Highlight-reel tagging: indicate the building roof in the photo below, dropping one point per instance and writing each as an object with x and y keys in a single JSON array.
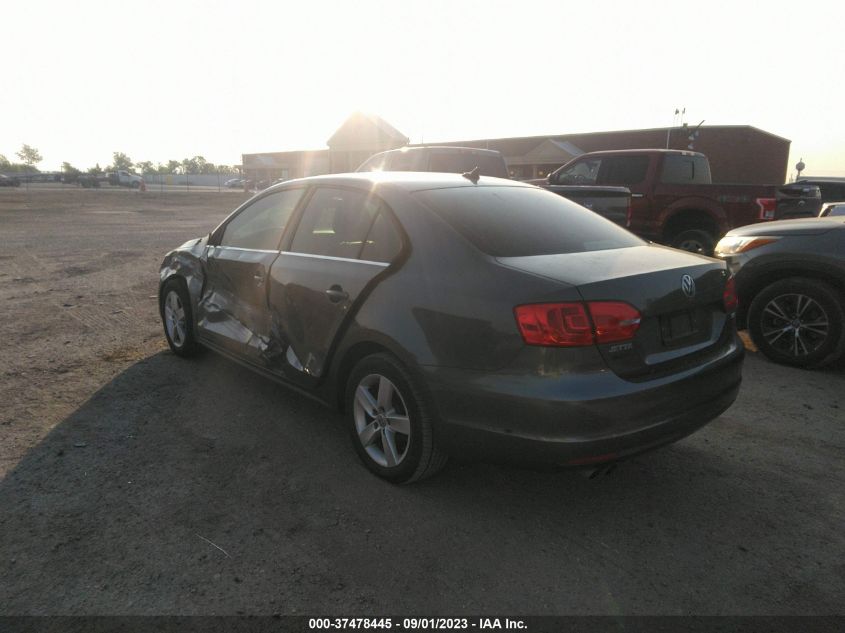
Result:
[
  {"x": 366, "y": 131},
  {"x": 519, "y": 146}
]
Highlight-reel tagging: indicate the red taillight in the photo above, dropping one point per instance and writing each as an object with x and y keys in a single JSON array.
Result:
[
  {"x": 614, "y": 320},
  {"x": 576, "y": 324},
  {"x": 558, "y": 324},
  {"x": 768, "y": 206},
  {"x": 729, "y": 297}
]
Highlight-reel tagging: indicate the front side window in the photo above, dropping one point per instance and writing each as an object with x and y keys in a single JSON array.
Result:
[
  {"x": 583, "y": 172},
  {"x": 261, "y": 224},
  {"x": 335, "y": 223}
]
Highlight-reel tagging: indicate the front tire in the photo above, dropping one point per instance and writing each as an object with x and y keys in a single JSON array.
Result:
[
  {"x": 390, "y": 421},
  {"x": 798, "y": 321},
  {"x": 177, "y": 318}
]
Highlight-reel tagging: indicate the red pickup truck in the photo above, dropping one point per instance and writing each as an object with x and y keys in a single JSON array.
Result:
[{"x": 674, "y": 201}]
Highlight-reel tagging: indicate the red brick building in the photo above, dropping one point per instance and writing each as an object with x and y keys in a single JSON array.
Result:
[{"x": 737, "y": 153}]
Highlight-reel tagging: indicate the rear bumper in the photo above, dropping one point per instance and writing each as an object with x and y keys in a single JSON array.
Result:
[{"x": 544, "y": 419}]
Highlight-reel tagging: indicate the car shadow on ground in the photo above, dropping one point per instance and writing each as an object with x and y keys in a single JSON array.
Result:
[{"x": 195, "y": 487}]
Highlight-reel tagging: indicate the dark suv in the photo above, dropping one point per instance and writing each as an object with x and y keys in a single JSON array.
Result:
[
  {"x": 790, "y": 278},
  {"x": 450, "y": 160}
]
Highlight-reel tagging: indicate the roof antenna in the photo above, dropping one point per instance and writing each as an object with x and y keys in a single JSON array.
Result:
[{"x": 473, "y": 175}]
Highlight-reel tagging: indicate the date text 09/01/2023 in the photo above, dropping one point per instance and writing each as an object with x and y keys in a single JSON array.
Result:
[{"x": 415, "y": 624}]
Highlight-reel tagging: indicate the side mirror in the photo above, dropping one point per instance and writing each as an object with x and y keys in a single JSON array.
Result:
[{"x": 552, "y": 178}]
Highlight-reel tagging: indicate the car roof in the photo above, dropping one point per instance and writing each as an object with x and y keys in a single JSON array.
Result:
[
  {"x": 644, "y": 150},
  {"x": 403, "y": 180},
  {"x": 446, "y": 149}
]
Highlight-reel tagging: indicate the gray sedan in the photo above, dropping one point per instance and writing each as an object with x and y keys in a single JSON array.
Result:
[{"x": 461, "y": 314}]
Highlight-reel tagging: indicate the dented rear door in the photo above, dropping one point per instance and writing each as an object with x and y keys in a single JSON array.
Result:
[{"x": 345, "y": 240}]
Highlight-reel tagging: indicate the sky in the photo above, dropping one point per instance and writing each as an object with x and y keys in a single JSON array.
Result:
[{"x": 170, "y": 80}]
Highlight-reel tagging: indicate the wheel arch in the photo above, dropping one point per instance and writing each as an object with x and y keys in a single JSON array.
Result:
[
  {"x": 751, "y": 287},
  {"x": 351, "y": 354},
  {"x": 692, "y": 217}
]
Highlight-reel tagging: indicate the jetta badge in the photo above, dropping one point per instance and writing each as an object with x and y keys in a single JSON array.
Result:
[{"x": 688, "y": 286}]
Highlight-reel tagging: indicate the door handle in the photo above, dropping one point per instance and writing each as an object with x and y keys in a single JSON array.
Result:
[
  {"x": 336, "y": 294},
  {"x": 259, "y": 277},
  {"x": 638, "y": 195}
]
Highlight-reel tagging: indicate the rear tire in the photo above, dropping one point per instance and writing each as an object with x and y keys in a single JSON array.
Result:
[
  {"x": 177, "y": 318},
  {"x": 694, "y": 241},
  {"x": 390, "y": 421},
  {"x": 798, "y": 321}
]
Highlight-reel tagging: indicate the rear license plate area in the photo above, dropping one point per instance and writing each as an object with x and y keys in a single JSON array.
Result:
[{"x": 677, "y": 328}]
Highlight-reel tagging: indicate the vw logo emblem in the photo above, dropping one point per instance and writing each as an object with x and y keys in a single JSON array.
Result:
[{"x": 688, "y": 286}]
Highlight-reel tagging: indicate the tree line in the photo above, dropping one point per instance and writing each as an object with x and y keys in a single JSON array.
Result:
[{"x": 30, "y": 157}]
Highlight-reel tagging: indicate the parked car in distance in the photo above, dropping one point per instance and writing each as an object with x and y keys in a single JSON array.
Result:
[
  {"x": 832, "y": 208},
  {"x": 123, "y": 178},
  {"x": 447, "y": 314},
  {"x": 445, "y": 159},
  {"x": 674, "y": 200},
  {"x": 234, "y": 183},
  {"x": 790, "y": 280},
  {"x": 832, "y": 189},
  {"x": 9, "y": 181}
]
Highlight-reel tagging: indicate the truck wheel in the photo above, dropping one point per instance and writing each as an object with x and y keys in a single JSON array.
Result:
[
  {"x": 135, "y": 184},
  {"x": 798, "y": 321},
  {"x": 694, "y": 241}
]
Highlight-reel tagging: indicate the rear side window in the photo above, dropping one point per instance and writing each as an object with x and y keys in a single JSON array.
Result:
[
  {"x": 383, "y": 242},
  {"x": 460, "y": 162},
  {"x": 623, "y": 170},
  {"x": 522, "y": 221},
  {"x": 682, "y": 169},
  {"x": 335, "y": 223}
]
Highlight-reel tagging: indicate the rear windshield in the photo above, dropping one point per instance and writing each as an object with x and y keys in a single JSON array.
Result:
[
  {"x": 458, "y": 163},
  {"x": 523, "y": 221}
]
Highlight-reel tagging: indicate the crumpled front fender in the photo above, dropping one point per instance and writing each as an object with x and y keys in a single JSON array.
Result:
[{"x": 187, "y": 262}]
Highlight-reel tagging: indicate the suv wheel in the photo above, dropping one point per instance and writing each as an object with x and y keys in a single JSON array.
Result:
[{"x": 798, "y": 321}]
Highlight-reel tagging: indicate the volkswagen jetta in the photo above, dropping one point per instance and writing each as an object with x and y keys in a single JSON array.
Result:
[{"x": 449, "y": 313}]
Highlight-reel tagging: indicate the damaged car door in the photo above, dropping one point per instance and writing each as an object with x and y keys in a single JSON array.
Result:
[
  {"x": 232, "y": 312},
  {"x": 343, "y": 241}
]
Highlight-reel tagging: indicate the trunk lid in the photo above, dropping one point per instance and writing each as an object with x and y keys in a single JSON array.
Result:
[{"x": 678, "y": 328}]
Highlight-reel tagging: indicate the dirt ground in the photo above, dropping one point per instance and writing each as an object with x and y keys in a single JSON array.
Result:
[{"x": 135, "y": 482}]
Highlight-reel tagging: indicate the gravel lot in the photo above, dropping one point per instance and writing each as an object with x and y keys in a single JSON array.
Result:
[{"x": 135, "y": 482}]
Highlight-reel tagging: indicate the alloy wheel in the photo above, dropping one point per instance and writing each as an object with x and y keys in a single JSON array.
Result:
[
  {"x": 794, "y": 324},
  {"x": 381, "y": 420},
  {"x": 174, "y": 318}
]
